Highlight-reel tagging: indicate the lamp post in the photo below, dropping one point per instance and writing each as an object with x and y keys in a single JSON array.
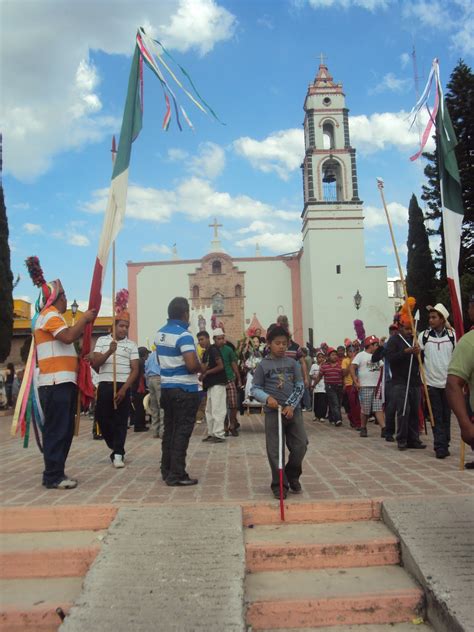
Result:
[
  {"x": 74, "y": 308},
  {"x": 357, "y": 299}
]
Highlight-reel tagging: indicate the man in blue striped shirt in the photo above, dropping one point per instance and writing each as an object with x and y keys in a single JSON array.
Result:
[{"x": 179, "y": 391}]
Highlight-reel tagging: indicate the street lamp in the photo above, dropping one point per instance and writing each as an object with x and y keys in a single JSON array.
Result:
[
  {"x": 74, "y": 308},
  {"x": 357, "y": 299}
]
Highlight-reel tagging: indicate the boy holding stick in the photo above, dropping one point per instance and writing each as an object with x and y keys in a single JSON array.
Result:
[{"x": 278, "y": 381}]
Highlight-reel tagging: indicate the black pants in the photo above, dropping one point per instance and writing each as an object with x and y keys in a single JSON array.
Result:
[
  {"x": 442, "y": 418},
  {"x": 139, "y": 411},
  {"x": 112, "y": 421},
  {"x": 180, "y": 408},
  {"x": 320, "y": 405},
  {"x": 294, "y": 435},
  {"x": 390, "y": 409},
  {"x": 59, "y": 407},
  {"x": 334, "y": 393},
  {"x": 408, "y": 433}
]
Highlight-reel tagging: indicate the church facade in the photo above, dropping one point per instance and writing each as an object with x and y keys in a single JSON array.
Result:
[{"x": 322, "y": 288}]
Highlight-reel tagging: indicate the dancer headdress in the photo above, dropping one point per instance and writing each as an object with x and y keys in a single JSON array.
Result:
[
  {"x": 49, "y": 292},
  {"x": 121, "y": 305},
  {"x": 405, "y": 310},
  {"x": 360, "y": 330}
]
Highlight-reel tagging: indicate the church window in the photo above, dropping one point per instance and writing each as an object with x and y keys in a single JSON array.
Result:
[
  {"x": 338, "y": 269},
  {"x": 327, "y": 101},
  {"x": 218, "y": 304},
  {"x": 238, "y": 290},
  {"x": 195, "y": 291},
  {"x": 216, "y": 267},
  {"x": 328, "y": 135}
]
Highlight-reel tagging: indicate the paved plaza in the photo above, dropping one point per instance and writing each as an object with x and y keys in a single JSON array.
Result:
[{"x": 338, "y": 465}]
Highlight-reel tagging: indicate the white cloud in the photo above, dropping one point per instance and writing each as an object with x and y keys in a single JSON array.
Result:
[
  {"x": 402, "y": 249},
  {"x": 193, "y": 197},
  {"x": 198, "y": 24},
  {"x": 370, "y": 5},
  {"x": 379, "y": 131},
  {"x": 47, "y": 111},
  {"x": 177, "y": 155},
  {"x": 32, "y": 229},
  {"x": 276, "y": 242},
  {"x": 374, "y": 216},
  {"x": 20, "y": 206},
  {"x": 281, "y": 152},
  {"x": 106, "y": 308},
  {"x": 162, "y": 249},
  {"x": 390, "y": 83},
  {"x": 210, "y": 161},
  {"x": 75, "y": 239},
  {"x": 256, "y": 227},
  {"x": 404, "y": 60}
]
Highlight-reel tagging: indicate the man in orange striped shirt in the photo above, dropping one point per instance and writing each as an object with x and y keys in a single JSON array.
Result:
[{"x": 57, "y": 361}]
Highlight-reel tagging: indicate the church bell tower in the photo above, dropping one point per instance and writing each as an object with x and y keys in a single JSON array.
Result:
[{"x": 333, "y": 259}]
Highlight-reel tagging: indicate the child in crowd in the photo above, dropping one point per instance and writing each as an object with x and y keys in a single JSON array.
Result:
[
  {"x": 278, "y": 381},
  {"x": 350, "y": 390},
  {"x": 331, "y": 371},
  {"x": 320, "y": 399},
  {"x": 368, "y": 379}
]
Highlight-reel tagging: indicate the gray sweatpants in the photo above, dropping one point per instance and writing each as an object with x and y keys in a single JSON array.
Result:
[
  {"x": 294, "y": 435},
  {"x": 154, "y": 386}
]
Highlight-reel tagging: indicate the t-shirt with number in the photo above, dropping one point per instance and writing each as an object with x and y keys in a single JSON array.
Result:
[
  {"x": 171, "y": 342},
  {"x": 368, "y": 371}
]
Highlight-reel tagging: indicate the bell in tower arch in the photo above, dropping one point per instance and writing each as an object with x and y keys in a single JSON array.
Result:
[{"x": 329, "y": 173}]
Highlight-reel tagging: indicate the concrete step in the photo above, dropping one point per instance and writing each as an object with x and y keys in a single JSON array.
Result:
[
  {"x": 384, "y": 627},
  {"x": 328, "y": 597},
  {"x": 48, "y": 554},
  {"x": 307, "y": 546},
  {"x": 64, "y": 518},
  {"x": 301, "y": 512},
  {"x": 29, "y": 605}
]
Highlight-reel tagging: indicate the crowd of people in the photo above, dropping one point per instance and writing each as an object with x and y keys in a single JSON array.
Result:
[{"x": 180, "y": 383}]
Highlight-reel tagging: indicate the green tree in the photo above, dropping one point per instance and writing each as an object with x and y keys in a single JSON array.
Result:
[
  {"x": 6, "y": 284},
  {"x": 460, "y": 101},
  {"x": 421, "y": 271}
]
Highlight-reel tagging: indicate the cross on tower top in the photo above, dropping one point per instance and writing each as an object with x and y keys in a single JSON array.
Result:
[
  {"x": 215, "y": 226},
  {"x": 322, "y": 58}
]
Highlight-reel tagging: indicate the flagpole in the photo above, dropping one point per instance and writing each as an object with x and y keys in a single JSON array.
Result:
[
  {"x": 114, "y": 357},
  {"x": 380, "y": 186}
]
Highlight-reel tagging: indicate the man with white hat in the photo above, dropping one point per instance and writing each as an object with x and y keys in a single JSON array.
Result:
[
  {"x": 214, "y": 380},
  {"x": 437, "y": 343}
]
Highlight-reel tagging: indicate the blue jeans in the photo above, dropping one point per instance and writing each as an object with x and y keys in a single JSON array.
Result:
[
  {"x": 59, "y": 403},
  {"x": 334, "y": 393}
]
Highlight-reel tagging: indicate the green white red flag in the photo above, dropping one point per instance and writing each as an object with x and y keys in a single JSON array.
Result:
[{"x": 450, "y": 187}]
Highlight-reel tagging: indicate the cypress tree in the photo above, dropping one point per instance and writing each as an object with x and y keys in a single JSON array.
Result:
[
  {"x": 6, "y": 284},
  {"x": 421, "y": 271}
]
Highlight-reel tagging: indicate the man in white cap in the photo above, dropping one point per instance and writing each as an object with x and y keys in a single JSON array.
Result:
[
  {"x": 214, "y": 381},
  {"x": 437, "y": 343}
]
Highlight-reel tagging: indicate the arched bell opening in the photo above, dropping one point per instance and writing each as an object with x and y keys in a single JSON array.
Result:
[
  {"x": 332, "y": 181},
  {"x": 328, "y": 135}
]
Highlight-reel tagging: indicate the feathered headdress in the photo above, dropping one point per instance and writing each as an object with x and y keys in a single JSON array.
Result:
[
  {"x": 359, "y": 329},
  {"x": 406, "y": 309},
  {"x": 121, "y": 305},
  {"x": 48, "y": 291}
]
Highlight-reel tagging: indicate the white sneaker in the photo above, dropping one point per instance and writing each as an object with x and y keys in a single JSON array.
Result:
[{"x": 118, "y": 461}]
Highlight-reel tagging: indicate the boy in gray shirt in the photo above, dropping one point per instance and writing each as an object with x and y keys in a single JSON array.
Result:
[{"x": 278, "y": 381}]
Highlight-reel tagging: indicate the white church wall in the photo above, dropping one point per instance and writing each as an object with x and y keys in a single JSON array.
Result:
[
  {"x": 156, "y": 286},
  {"x": 267, "y": 290}
]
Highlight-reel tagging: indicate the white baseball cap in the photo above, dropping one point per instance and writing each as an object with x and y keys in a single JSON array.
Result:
[{"x": 218, "y": 332}]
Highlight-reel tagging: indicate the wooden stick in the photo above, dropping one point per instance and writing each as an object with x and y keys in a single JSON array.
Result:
[
  {"x": 114, "y": 357},
  {"x": 77, "y": 419},
  {"x": 402, "y": 279},
  {"x": 461, "y": 455}
]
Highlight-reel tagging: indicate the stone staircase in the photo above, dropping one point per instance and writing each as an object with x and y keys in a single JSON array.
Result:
[
  {"x": 329, "y": 566},
  {"x": 45, "y": 554}
]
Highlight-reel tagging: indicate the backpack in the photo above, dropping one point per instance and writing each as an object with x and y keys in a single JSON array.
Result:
[{"x": 426, "y": 335}]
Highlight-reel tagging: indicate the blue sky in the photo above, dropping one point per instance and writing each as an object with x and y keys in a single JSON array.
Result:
[{"x": 65, "y": 71}]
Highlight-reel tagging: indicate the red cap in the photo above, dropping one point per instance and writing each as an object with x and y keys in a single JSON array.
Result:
[
  {"x": 329, "y": 350},
  {"x": 370, "y": 340}
]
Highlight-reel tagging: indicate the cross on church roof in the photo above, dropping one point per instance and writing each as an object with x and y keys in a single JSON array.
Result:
[
  {"x": 323, "y": 58},
  {"x": 215, "y": 226}
]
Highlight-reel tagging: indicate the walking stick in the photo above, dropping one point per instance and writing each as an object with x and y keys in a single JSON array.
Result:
[
  {"x": 417, "y": 318},
  {"x": 402, "y": 279},
  {"x": 114, "y": 357},
  {"x": 280, "y": 462}
]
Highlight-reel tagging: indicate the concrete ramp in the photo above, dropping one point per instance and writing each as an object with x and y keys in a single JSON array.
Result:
[{"x": 166, "y": 568}]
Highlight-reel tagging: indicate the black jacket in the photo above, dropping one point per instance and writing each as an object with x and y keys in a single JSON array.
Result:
[{"x": 400, "y": 361}]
